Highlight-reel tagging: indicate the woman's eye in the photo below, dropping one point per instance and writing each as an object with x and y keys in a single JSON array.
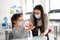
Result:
[{"x": 38, "y": 13}]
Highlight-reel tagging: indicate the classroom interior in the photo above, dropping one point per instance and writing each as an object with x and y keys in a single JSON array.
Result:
[{"x": 9, "y": 7}]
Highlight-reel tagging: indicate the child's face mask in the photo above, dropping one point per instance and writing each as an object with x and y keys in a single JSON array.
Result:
[{"x": 20, "y": 23}]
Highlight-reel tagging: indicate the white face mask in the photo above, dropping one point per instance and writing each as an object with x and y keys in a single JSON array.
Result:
[
  {"x": 37, "y": 15},
  {"x": 20, "y": 23}
]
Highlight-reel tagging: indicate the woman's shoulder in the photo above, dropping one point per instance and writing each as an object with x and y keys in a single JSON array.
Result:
[{"x": 45, "y": 15}]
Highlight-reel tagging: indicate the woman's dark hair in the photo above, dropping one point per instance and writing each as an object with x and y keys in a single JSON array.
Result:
[
  {"x": 39, "y": 7},
  {"x": 15, "y": 17}
]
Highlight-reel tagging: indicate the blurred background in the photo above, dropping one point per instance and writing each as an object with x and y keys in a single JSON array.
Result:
[{"x": 10, "y": 7}]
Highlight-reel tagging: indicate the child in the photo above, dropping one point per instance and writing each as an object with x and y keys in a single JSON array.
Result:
[{"x": 18, "y": 25}]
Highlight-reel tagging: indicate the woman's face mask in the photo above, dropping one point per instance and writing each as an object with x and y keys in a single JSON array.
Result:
[{"x": 37, "y": 15}]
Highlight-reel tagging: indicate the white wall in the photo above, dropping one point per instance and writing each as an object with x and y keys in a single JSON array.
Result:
[
  {"x": 47, "y": 6},
  {"x": 43, "y": 3},
  {"x": 54, "y": 4},
  {"x": 5, "y": 6}
]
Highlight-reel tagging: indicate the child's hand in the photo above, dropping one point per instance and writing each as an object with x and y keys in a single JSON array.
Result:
[{"x": 30, "y": 25}]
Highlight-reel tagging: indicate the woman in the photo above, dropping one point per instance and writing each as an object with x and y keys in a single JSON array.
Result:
[
  {"x": 40, "y": 20},
  {"x": 19, "y": 28}
]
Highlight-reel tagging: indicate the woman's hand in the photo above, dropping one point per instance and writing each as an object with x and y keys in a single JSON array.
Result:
[{"x": 42, "y": 34}]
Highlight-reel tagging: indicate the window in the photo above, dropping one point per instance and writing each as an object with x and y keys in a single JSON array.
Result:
[{"x": 54, "y": 6}]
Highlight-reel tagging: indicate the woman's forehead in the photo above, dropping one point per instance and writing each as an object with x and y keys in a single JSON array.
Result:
[{"x": 37, "y": 11}]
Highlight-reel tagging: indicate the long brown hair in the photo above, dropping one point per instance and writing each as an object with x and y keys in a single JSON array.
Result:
[{"x": 39, "y": 7}]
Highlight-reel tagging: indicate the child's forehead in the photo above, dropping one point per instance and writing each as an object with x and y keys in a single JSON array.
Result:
[{"x": 20, "y": 18}]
